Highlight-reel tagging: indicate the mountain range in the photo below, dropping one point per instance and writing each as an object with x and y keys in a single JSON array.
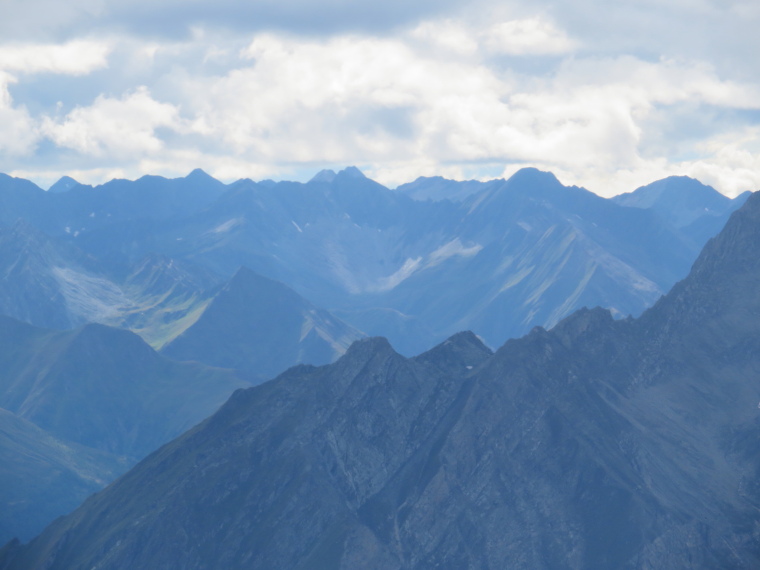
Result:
[
  {"x": 497, "y": 258},
  {"x": 600, "y": 443},
  {"x": 330, "y": 261}
]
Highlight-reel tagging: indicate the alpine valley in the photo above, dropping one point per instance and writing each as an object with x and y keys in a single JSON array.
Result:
[{"x": 613, "y": 427}]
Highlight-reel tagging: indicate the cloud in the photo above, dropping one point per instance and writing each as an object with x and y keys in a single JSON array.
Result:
[
  {"x": 172, "y": 19},
  {"x": 607, "y": 96},
  {"x": 532, "y": 36},
  {"x": 116, "y": 128},
  {"x": 73, "y": 58},
  {"x": 392, "y": 103},
  {"x": 49, "y": 20},
  {"x": 19, "y": 133}
]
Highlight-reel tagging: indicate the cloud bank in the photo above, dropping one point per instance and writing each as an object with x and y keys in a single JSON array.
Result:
[{"x": 607, "y": 97}]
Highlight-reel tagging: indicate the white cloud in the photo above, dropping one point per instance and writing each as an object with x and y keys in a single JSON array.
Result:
[
  {"x": 462, "y": 94},
  {"x": 531, "y": 36},
  {"x": 73, "y": 58},
  {"x": 116, "y": 128},
  {"x": 402, "y": 110},
  {"x": 447, "y": 35},
  {"x": 19, "y": 134}
]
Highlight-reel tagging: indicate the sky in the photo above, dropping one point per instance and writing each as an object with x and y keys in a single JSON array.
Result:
[{"x": 608, "y": 96}]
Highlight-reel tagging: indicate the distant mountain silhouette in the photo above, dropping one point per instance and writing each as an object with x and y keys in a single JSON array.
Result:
[
  {"x": 262, "y": 327},
  {"x": 501, "y": 258},
  {"x": 698, "y": 210},
  {"x": 439, "y": 188},
  {"x": 64, "y": 184}
]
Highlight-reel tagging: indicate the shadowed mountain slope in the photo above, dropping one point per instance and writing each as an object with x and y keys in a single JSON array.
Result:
[
  {"x": 42, "y": 477},
  {"x": 104, "y": 387},
  {"x": 78, "y": 408},
  {"x": 263, "y": 327},
  {"x": 598, "y": 444}
]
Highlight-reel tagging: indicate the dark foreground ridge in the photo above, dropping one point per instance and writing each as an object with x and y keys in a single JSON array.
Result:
[{"x": 597, "y": 444}]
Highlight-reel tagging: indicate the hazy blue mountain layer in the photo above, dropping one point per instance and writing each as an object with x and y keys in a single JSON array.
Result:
[
  {"x": 530, "y": 251},
  {"x": 51, "y": 283},
  {"x": 262, "y": 327},
  {"x": 498, "y": 257},
  {"x": 597, "y": 444},
  {"x": 103, "y": 387},
  {"x": 165, "y": 297},
  {"x": 439, "y": 188},
  {"x": 43, "y": 477},
  {"x": 699, "y": 211},
  {"x": 80, "y": 407}
]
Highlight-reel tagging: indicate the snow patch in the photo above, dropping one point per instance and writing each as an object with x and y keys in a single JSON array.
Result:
[
  {"x": 296, "y": 226},
  {"x": 452, "y": 249},
  {"x": 227, "y": 226},
  {"x": 527, "y": 227},
  {"x": 403, "y": 273}
]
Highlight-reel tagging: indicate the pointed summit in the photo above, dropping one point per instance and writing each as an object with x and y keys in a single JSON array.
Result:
[
  {"x": 261, "y": 326},
  {"x": 351, "y": 172},
  {"x": 325, "y": 175},
  {"x": 65, "y": 184},
  {"x": 462, "y": 352},
  {"x": 200, "y": 175}
]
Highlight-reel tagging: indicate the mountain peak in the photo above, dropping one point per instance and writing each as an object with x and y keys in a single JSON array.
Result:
[
  {"x": 368, "y": 347},
  {"x": 351, "y": 172},
  {"x": 261, "y": 326},
  {"x": 325, "y": 175},
  {"x": 533, "y": 177},
  {"x": 246, "y": 276},
  {"x": 680, "y": 200},
  {"x": 64, "y": 184},
  {"x": 200, "y": 174},
  {"x": 250, "y": 289},
  {"x": 463, "y": 352}
]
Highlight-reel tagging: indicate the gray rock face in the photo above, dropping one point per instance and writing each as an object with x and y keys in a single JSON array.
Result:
[{"x": 598, "y": 444}]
